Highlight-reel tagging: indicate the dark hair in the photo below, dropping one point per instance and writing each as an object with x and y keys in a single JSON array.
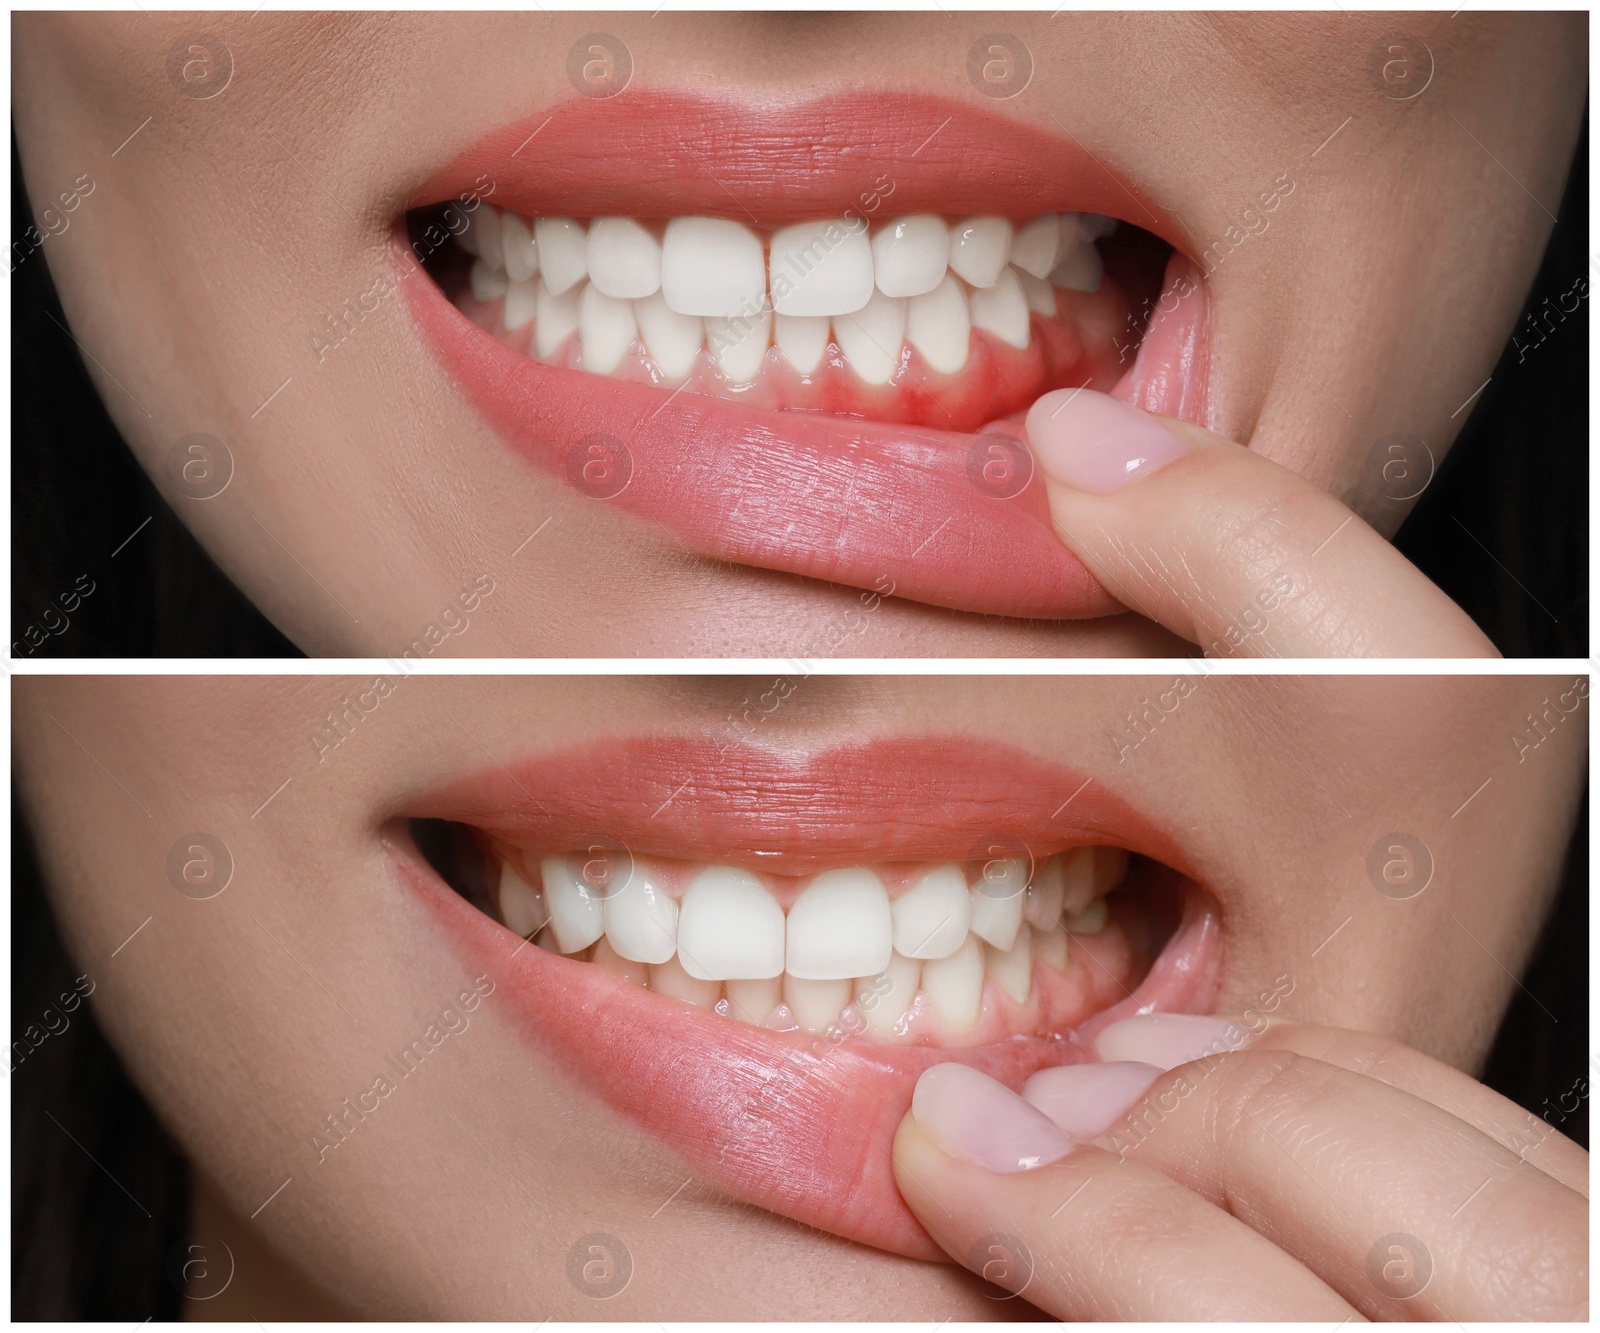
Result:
[{"x": 1503, "y": 529}]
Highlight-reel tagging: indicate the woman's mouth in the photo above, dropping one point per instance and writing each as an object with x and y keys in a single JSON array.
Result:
[
  {"x": 802, "y": 336},
  {"x": 764, "y": 948}
]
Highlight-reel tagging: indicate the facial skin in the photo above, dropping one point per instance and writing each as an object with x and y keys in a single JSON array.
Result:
[
  {"x": 368, "y": 492},
  {"x": 249, "y": 1016}
]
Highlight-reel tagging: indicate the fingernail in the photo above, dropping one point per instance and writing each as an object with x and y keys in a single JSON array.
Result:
[
  {"x": 1086, "y": 1100},
  {"x": 1097, "y": 443},
  {"x": 1170, "y": 1040},
  {"x": 974, "y": 1118}
]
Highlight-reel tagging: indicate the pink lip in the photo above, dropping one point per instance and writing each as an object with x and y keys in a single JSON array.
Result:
[
  {"x": 889, "y": 508},
  {"x": 797, "y": 1125}
]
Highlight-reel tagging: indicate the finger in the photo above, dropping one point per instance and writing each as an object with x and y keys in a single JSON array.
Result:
[
  {"x": 1226, "y": 548},
  {"x": 1082, "y": 1235},
  {"x": 1404, "y": 1209}
]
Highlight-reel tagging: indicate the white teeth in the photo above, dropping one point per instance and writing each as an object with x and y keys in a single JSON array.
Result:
[
  {"x": 803, "y": 340},
  {"x": 839, "y": 928},
  {"x": 641, "y": 920},
  {"x": 1080, "y": 269},
  {"x": 671, "y": 979},
  {"x": 1091, "y": 921},
  {"x": 521, "y": 905},
  {"x": 1077, "y": 878},
  {"x": 486, "y": 236},
  {"x": 556, "y": 320},
  {"x": 487, "y": 282},
  {"x": 870, "y": 339},
  {"x": 954, "y": 985},
  {"x": 624, "y": 259},
  {"x": 1050, "y": 946},
  {"x": 1036, "y": 247},
  {"x": 931, "y": 920},
  {"x": 821, "y": 268},
  {"x": 1040, "y": 294},
  {"x": 606, "y": 329},
  {"x": 910, "y": 255},
  {"x": 816, "y": 1005},
  {"x": 711, "y": 266},
  {"x": 1002, "y": 309},
  {"x": 730, "y": 928},
  {"x": 997, "y": 901},
  {"x": 612, "y": 961},
  {"x": 1095, "y": 225},
  {"x": 673, "y": 341},
  {"x": 1046, "y": 895},
  {"x": 575, "y": 909},
  {"x": 563, "y": 246},
  {"x": 467, "y": 237},
  {"x": 886, "y": 998},
  {"x": 1110, "y": 865},
  {"x": 754, "y": 1001},
  {"x": 979, "y": 249},
  {"x": 1012, "y": 969},
  {"x": 522, "y": 304},
  {"x": 939, "y": 326},
  {"x": 739, "y": 345},
  {"x": 521, "y": 253}
]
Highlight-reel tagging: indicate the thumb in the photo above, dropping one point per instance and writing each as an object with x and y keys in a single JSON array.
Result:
[{"x": 1226, "y": 548}]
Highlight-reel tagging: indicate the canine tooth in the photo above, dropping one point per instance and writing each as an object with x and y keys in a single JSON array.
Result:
[
  {"x": 954, "y": 985},
  {"x": 485, "y": 228},
  {"x": 820, "y": 268},
  {"x": 979, "y": 249},
  {"x": 870, "y": 339},
  {"x": 909, "y": 256},
  {"x": 1110, "y": 865},
  {"x": 1003, "y": 310},
  {"x": 673, "y": 341},
  {"x": 1040, "y": 295},
  {"x": 1080, "y": 269},
  {"x": 624, "y": 259},
  {"x": 1077, "y": 877},
  {"x": 487, "y": 282},
  {"x": 886, "y": 998},
  {"x": 606, "y": 329},
  {"x": 939, "y": 325},
  {"x": 1012, "y": 969},
  {"x": 563, "y": 247},
  {"x": 754, "y": 1001},
  {"x": 467, "y": 237},
  {"x": 522, "y": 303},
  {"x": 1036, "y": 247},
  {"x": 1050, "y": 946},
  {"x": 671, "y": 979},
  {"x": 576, "y": 914},
  {"x": 521, "y": 905},
  {"x": 641, "y": 920},
  {"x": 556, "y": 319},
  {"x": 1091, "y": 921},
  {"x": 839, "y": 927},
  {"x": 997, "y": 902},
  {"x": 1046, "y": 895},
  {"x": 608, "y": 958},
  {"x": 816, "y": 1005},
  {"x": 803, "y": 340},
  {"x": 930, "y": 921},
  {"x": 521, "y": 253},
  {"x": 711, "y": 266},
  {"x": 730, "y": 928},
  {"x": 739, "y": 345}
]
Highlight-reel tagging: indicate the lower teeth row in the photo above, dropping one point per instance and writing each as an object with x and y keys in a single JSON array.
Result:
[{"x": 728, "y": 946}]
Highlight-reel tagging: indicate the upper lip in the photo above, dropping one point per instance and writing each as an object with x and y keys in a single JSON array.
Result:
[{"x": 799, "y": 1128}]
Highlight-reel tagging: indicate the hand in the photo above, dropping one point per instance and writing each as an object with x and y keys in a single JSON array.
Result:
[
  {"x": 1226, "y": 548},
  {"x": 1317, "y": 1174}
]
